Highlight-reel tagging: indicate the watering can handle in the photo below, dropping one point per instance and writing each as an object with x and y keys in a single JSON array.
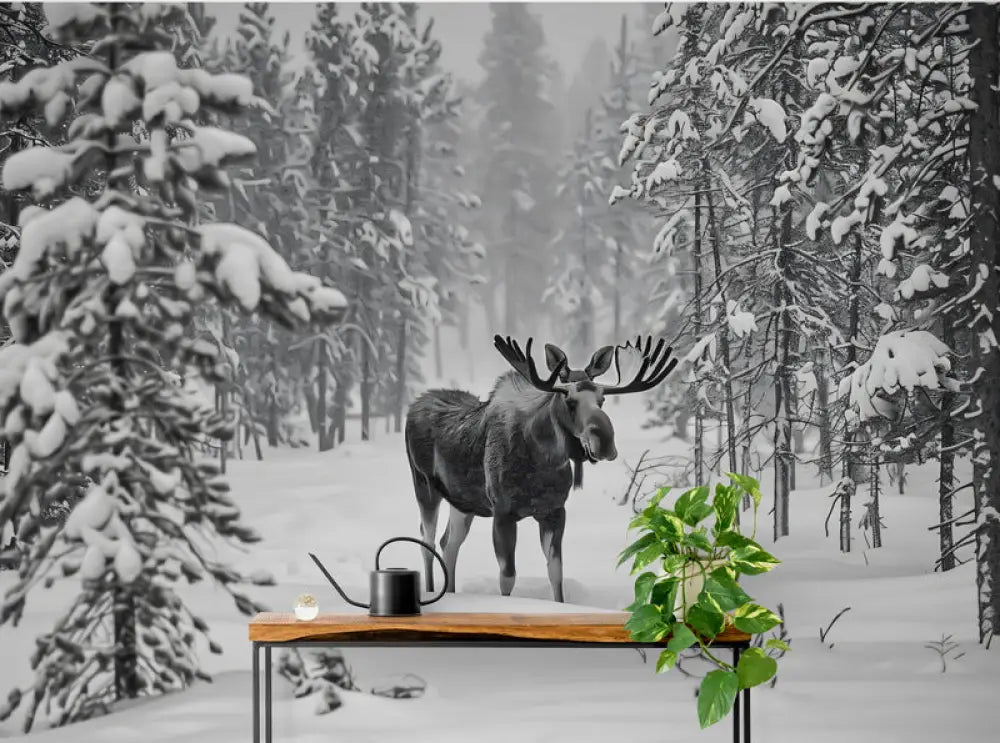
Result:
[{"x": 429, "y": 549}]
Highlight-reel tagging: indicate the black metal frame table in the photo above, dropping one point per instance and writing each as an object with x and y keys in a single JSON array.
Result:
[{"x": 443, "y": 629}]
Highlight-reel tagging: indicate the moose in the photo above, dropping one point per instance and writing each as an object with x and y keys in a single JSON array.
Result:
[{"x": 519, "y": 453}]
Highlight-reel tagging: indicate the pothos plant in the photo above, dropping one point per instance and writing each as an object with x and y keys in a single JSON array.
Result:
[{"x": 687, "y": 589}]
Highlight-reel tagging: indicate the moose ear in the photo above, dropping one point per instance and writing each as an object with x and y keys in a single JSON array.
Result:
[
  {"x": 600, "y": 362},
  {"x": 554, "y": 356}
]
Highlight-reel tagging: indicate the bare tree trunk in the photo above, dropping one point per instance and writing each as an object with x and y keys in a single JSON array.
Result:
[
  {"x": 366, "y": 391},
  {"x": 699, "y": 407},
  {"x": 851, "y": 466},
  {"x": 848, "y": 491},
  {"x": 488, "y": 296},
  {"x": 724, "y": 340},
  {"x": 795, "y": 447},
  {"x": 255, "y": 434},
  {"x": 510, "y": 275},
  {"x": 784, "y": 459},
  {"x": 616, "y": 332},
  {"x": 322, "y": 377},
  {"x": 340, "y": 409},
  {"x": 438, "y": 366},
  {"x": 272, "y": 411},
  {"x": 401, "y": 376},
  {"x": 946, "y": 466},
  {"x": 464, "y": 320},
  {"x": 823, "y": 417},
  {"x": 126, "y": 656},
  {"x": 311, "y": 405},
  {"x": 984, "y": 163},
  {"x": 874, "y": 513}
]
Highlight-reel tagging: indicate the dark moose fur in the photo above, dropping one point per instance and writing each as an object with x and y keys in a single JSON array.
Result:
[{"x": 516, "y": 455}]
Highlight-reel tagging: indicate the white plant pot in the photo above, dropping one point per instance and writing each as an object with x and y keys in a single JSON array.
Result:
[
  {"x": 692, "y": 581},
  {"x": 306, "y": 613}
]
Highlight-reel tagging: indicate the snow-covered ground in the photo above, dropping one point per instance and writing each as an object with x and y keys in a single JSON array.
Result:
[{"x": 877, "y": 683}]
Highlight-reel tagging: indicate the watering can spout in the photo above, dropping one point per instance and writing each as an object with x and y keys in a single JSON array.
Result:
[
  {"x": 336, "y": 585},
  {"x": 394, "y": 591}
]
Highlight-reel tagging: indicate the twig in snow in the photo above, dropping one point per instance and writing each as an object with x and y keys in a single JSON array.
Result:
[
  {"x": 943, "y": 647},
  {"x": 823, "y": 634}
]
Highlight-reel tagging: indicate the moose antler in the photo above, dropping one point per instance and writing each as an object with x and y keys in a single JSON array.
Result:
[
  {"x": 661, "y": 365},
  {"x": 524, "y": 365}
]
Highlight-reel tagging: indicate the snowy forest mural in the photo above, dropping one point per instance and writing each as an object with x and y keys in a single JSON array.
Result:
[{"x": 239, "y": 240}]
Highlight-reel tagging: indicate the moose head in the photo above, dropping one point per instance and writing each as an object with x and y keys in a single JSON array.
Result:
[{"x": 578, "y": 402}]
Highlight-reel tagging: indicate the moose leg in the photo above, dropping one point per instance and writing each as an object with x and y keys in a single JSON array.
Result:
[
  {"x": 504, "y": 542},
  {"x": 550, "y": 528},
  {"x": 458, "y": 529},
  {"x": 428, "y": 501}
]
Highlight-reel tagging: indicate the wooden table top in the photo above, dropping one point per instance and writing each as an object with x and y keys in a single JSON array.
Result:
[{"x": 599, "y": 628}]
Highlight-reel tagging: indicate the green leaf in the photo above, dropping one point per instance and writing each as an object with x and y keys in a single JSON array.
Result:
[
  {"x": 637, "y": 546},
  {"x": 749, "y": 485},
  {"x": 705, "y": 619},
  {"x": 666, "y": 661},
  {"x": 716, "y": 696},
  {"x": 664, "y": 593},
  {"x": 646, "y": 624},
  {"x": 755, "y": 667},
  {"x": 735, "y": 540},
  {"x": 682, "y": 639},
  {"x": 643, "y": 585},
  {"x": 754, "y": 619},
  {"x": 688, "y": 506},
  {"x": 666, "y": 526},
  {"x": 643, "y": 618},
  {"x": 725, "y": 503},
  {"x": 752, "y": 560},
  {"x": 699, "y": 540},
  {"x": 659, "y": 495},
  {"x": 647, "y": 556},
  {"x": 725, "y": 591},
  {"x": 775, "y": 644},
  {"x": 639, "y": 520},
  {"x": 698, "y": 512},
  {"x": 673, "y": 563}
]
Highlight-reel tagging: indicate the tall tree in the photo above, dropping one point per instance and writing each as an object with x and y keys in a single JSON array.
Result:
[
  {"x": 519, "y": 132},
  {"x": 100, "y": 301}
]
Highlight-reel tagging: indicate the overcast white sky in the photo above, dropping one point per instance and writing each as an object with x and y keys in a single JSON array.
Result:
[{"x": 460, "y": 26}]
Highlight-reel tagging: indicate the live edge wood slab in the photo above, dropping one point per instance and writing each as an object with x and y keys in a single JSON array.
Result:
[{"x": 599, "y": 628}]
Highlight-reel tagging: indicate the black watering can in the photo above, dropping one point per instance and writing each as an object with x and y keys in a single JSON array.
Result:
[{"x": 395, "y": 592}]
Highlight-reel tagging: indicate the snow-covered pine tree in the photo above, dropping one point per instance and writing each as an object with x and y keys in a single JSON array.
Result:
[
  {"x": 100, "y": 302},
  {"x": 442, "y": 224},
  {"x": 715, "y": 145},
  {"x": 384, "y": 182},
  {"x": 519, "y": 135},
  {"x": 629, "y": 228},
  {"x": 327, "y": 106},
  {"x": 23, "y": 46},
  {"x": 580, "y": 282},
  {"x": 921, "y": 81},
  {"x": 442, "y": 265},
  {"x": 264, "y": 378}
]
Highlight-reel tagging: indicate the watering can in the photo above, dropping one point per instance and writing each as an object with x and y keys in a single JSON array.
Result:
[{"x": 395, "y": 592}]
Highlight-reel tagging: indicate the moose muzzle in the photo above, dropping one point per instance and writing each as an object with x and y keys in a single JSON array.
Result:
[{"x": 599, "y": 438}]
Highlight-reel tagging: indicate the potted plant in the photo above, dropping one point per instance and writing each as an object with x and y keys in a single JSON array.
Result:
[{"x": 688, "y": 586}]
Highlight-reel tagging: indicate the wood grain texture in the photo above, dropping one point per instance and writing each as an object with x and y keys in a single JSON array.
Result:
[{"x": 599, "y": 628}]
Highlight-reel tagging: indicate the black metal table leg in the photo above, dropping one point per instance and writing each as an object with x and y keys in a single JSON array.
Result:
[
  {"x": 255, "y": 678},
  {"x": 267, "y": 694},
  {"x": 746, "y": 716},
  {"x": 736, "y": 702}
]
